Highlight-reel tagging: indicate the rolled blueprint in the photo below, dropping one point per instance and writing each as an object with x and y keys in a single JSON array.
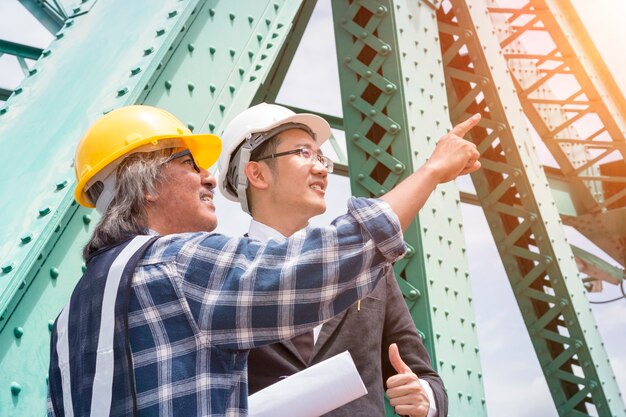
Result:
[{"x": 312, "y": 392}]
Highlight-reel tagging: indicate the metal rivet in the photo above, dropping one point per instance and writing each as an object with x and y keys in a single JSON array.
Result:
[
  {"x": 252, "y": 78},
  {"x": 231, "y": 16},
  {"x": 18, "y": 332},
  {"x": 83, "y": 268},
  {"x": 190, "y": 86},
  {"x": 168, "y": 84},
  {"x": 211, "y": 127},
  {"x": 191, "y": 126},
  {"x": 212, "y": 12},
  {"x": 61, "y": 185},
  {"x": 54, "y": 273},
  {"x": 135, "y": 71},
  {"x": 160, "y": 32},
  {"x": 250, "y": 19},
  {"x": 122, "y": 91},
  {"x": 44, "y": 211},
  {"x": 172, "y": 13},
  {"x": 212, "y": 88},
  {"x": 32, "y": 71},
  {"x": 26, "y": 239},
  {"x": 70, "y": 22},
  {"x": 4, "y": 110},
  {"x": 232, "y": 52},
  {"x": 15, "y": 388},
  {"x": 231, "y": 88},
  {"x": 148, "y": 51},
  {"x": 60, "y": 35},
  {"x": 211, "y": 50},
  {"x": 50, "y": 325},
  {"x": 86, "y": 218}
]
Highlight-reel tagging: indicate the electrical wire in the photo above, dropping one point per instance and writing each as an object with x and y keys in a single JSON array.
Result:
[{"x": 623, "y": 296}]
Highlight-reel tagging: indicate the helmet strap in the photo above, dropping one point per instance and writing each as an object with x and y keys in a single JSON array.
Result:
[
  {"x": 108, "y": 192},
  {"x": 242, "y": 178}
]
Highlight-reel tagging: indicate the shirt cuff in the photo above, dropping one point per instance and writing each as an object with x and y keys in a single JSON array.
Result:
[
  {"x": 432, "y": 411},
  {"x": 381, "y": 223}
]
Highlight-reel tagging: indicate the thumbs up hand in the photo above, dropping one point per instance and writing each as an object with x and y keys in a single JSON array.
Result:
[{"x": 404, "y": 390}]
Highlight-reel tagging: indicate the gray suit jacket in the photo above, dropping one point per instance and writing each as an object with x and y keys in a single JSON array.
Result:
[{"x": 383, "y": 319}]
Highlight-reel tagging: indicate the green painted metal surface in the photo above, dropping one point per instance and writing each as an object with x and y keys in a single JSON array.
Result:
[
  {"x": 24, "y": 341},
  {"x": 19, "y": 50},
  {"x": 575, "y": 105},
  {"x": 515, "y": 196},
  {"x": 392, "y": 92}
]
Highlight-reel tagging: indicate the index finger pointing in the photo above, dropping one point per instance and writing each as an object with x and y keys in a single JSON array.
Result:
[{"x": 462, "y": 128}]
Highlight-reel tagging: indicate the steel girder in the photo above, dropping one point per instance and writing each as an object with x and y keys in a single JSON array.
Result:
[
  {"x": 515, "y": 196},
  {"x": 395, "y": 108},
  {"x": 572, "y": 101},
  {"x": 199, "y": 59}
]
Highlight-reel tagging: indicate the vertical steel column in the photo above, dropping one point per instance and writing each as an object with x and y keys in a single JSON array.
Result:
[
  {"x": 395, "y": 108},
  {"x": 521, "y": 213}
]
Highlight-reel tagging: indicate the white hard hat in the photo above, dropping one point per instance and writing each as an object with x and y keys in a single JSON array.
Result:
[{"x": 244, "y": 134}]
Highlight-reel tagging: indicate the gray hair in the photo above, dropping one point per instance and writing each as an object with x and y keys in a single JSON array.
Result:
[{"x": 137, "y": 175}]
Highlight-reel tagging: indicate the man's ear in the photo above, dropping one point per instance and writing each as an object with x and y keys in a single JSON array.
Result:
[{"x": 258, "y": 175}]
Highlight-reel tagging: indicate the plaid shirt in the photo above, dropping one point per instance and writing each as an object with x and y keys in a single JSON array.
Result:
[{"x": 200, "y": 301}]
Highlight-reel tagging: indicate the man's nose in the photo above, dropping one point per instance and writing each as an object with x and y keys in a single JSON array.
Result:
[
  {"x": 319, "y": 167},
  {"x": 208, "y": 179}
]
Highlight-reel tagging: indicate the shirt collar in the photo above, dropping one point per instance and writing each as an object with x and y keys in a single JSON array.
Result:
[{"x": 262, "y": 232}]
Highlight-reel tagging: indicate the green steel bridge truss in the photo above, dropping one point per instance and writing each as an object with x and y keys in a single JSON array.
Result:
[{"x": 408, "y": 71}]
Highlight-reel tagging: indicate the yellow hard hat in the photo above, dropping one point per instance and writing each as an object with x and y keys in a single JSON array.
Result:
[{"x": 124, "y": 130}]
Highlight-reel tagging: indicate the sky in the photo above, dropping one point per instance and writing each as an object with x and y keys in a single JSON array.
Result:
[{"x": 514, "y": 384}]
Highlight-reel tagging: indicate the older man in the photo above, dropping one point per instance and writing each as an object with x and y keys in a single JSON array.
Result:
[{"x": 163, "y": 319}]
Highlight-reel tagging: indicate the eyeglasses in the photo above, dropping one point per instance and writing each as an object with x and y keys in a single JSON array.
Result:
[
  {"x": 306, "y": 154},
  {"x": 190, "y": 161}
]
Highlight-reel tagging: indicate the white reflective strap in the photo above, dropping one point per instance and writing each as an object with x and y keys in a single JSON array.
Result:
[
  {"x": 103, "y": 379},
  {"x": 64, "y": 361}
]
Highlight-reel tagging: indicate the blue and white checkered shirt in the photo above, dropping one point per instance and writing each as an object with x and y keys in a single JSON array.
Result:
[{"x": 200, "y": 301}]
